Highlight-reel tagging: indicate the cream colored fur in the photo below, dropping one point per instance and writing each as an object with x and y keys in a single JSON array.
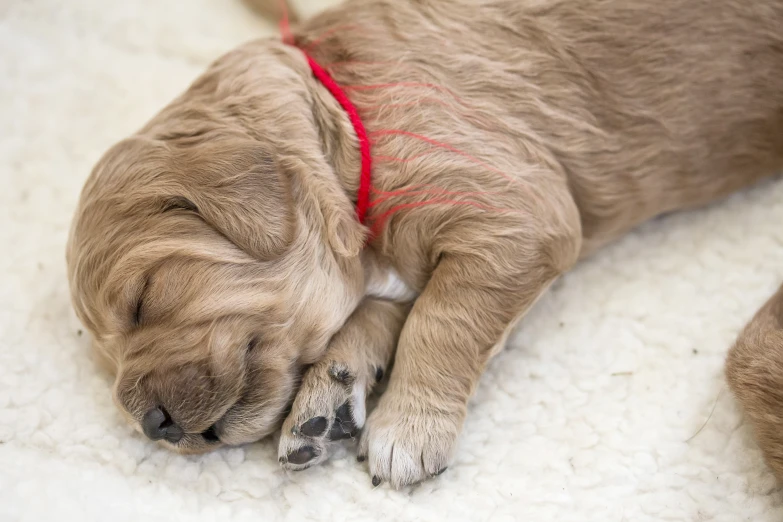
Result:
[{"x": 215, "y": 254}]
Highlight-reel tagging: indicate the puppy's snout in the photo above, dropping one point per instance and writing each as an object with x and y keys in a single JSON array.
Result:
[{"x": 157, "y": 425}]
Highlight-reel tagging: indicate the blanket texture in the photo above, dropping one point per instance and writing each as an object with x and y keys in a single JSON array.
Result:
[{"x": 609, "y": 403}]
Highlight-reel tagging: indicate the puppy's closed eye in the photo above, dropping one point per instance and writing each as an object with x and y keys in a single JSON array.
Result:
[
  {"x": 179, "y": 203},
  {"x": 252, "y": 343},
  {"x": 137, "y": 313},
  {"x": 139, "y": 308}
]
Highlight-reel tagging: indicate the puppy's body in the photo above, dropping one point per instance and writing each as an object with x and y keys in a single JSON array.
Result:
[
  {"x": 643, "y": 109},
  {"x": 510, "y": 139}
]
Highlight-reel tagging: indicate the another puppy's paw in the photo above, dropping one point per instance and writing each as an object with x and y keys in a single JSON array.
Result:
[
  {"x": 407, "y": 440},
  {"x": 330, "y": 406}
]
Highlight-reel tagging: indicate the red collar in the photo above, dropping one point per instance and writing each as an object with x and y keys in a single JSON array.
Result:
[{"x": 363, "y": 194}]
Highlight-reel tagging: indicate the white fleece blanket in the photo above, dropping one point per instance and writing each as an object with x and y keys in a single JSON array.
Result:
[{"x": 608, "y": 405}]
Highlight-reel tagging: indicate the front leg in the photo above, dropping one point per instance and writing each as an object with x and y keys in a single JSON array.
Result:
[
  {"x": 477, "y": 291},
  {"x": 330, "y": 405}
]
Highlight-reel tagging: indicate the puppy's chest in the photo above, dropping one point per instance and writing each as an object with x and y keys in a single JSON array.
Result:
[{"x": 387, "y": 284}]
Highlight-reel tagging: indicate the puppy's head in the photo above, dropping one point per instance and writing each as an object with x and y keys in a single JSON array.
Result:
[{"x": 213, "y": 254}]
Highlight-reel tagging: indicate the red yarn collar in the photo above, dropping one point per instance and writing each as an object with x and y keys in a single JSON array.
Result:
[{"x": 363, "y": 194}]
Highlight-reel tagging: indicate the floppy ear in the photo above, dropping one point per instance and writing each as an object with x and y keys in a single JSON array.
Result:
[
  {"x": 345, "y": 235},
  {"x": 238, "y": 189}
]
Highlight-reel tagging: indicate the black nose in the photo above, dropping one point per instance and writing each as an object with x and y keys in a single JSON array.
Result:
[{"x": 157, "y": 425}]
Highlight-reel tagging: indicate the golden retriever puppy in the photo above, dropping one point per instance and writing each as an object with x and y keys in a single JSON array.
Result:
[{"x": 216, "y": 255}]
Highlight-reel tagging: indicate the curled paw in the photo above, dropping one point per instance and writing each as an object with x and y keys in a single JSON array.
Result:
[
  {"x": 330, "y": 406},
  {"x": 406, "y": 442}
]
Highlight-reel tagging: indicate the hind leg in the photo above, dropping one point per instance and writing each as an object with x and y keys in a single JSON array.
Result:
[{"x": 754, "y": 370}]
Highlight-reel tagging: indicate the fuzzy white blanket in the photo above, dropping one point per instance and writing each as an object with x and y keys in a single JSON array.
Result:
[{"x": 608, "y": 405}]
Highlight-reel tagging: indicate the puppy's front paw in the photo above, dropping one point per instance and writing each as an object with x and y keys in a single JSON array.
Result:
[
  {"x": 330, "y": 406},
  {"x": 408, "y": 440}
]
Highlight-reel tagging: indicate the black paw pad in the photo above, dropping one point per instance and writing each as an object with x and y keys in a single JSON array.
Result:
[
  {"x": 343, "y": 426},
  {"x": 303, "y": 455},
  {"x": 440, "y": 471},
  {"x": 341, "y": 375},
  {"x": 315, "y": 427},
  {"x": 378, "y": 374},
  {"x": 376, "y": 481}
]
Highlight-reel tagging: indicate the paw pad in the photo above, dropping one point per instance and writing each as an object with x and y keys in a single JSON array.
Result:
[
  {"x": 315, "y": 427},
  {"x": 341, "y": 375},
  {"x": 303, "y": 455},
  {"x": 343, "y": 426}
]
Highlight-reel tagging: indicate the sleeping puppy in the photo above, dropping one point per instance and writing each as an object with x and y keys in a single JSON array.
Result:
[{"x": 217, "y": 259}]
